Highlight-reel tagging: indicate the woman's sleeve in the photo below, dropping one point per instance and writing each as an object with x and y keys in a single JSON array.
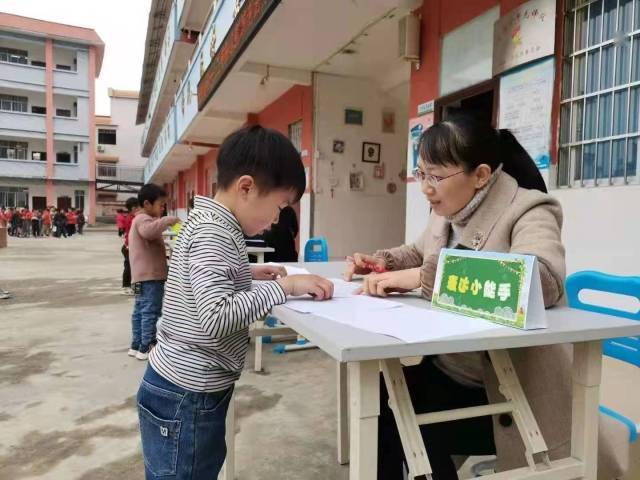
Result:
[
  {"x": 538, "y": 232},
  {"x": 406, "y": 256}
]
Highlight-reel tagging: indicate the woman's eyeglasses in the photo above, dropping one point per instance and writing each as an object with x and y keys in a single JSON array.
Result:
[{"x": 432, "y": 180}]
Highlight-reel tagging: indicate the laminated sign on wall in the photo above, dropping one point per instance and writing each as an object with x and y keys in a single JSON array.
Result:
[{"x": 503, "y": 288}]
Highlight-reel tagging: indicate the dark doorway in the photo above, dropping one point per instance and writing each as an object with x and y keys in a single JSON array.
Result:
[
  {"x": 39, "y": 203},
  {"x": 64, "y": 203},
  {"x": 479, "y": 100}
]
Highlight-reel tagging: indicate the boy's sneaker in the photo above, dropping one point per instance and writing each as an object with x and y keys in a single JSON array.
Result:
[
  {"x": 128, "y": 292},
  {"x": 143, "y": 353},
  {"x": 133, "y": 351}
]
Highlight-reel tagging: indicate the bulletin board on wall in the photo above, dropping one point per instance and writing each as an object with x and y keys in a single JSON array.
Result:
[{"x": 526, "y": 98}]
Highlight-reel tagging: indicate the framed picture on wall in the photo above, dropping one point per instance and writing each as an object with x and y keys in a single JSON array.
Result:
[
  {"x": 388, "y": 122},
  {"x": 338, "y": 146},
  {"x": 353, "y": 116},
  {"x": 371, "y": 152},
  {"x": 356, "y": 181}
]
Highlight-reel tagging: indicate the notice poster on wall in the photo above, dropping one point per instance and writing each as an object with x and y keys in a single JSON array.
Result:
[
  {"x": 417, "y": 126},
  {"x": 525, "y": 108}
]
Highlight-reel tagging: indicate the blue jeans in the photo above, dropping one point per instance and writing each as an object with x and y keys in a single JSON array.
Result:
[
  {"x": 146, "y": 311},
  {"x": 183, "y": 432}
]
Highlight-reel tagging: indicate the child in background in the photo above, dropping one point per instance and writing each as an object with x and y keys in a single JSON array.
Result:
[
  {"x": 132, "y": 208},
  {"x": 210, "y": 303},
  {"x": 81, "y": 220},
  {"x": 72, "y": 220},
  {"x": 147, "y": 256},
  {"x": 120, "y": 222},
  {"x": 46, "y": 222}
]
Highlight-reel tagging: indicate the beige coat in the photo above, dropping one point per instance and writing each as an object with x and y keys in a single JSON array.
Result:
[{"x": 512, "y": 219}]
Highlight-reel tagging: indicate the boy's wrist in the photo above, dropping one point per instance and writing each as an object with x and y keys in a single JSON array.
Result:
[{"x": 284, "y": 284}]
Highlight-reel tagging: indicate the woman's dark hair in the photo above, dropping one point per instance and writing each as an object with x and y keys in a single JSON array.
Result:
[
  {"x": 150, "y": 193},
  {"x": 467, "y": 142},
  {"x": 266, "y": 155}
]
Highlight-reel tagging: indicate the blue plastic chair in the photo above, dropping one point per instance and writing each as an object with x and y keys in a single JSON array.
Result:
[
  {"x": 316, "y": 250},
  {"x": 626, "y": 349}
]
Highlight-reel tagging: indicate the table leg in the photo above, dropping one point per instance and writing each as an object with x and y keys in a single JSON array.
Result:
[
  {"x": 228, "y": 470},
  {"x": 364, "y": 380},
  {"x": 587, "y": 372},
  {"x": 260, "y": 257},
  {"x": 343, "y": 413}
]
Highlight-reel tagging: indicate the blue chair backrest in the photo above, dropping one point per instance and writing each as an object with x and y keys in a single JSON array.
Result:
[
  {"x": 316, "y": 250},
  {"x": 626, "y": 349}
]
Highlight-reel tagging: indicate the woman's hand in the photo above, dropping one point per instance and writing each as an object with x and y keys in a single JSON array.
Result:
[
  {"x": 268, "y": 272},
  {"x": 381, "y": 284},
  {"x": 361, "y": 264}
]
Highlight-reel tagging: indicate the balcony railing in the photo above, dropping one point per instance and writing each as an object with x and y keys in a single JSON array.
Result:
[{"x": 111, "y": 173}]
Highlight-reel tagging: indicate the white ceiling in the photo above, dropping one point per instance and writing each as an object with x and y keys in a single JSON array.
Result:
[{"x": 304, "y": 35}]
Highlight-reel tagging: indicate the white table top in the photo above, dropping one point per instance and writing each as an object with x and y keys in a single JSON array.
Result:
[{"x": 346, "y": 344}]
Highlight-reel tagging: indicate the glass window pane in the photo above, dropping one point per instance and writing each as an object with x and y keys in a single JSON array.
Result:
[
  {"x": 606, "y": 68},
  {"x": 617, "y": 157},
  {"x": 622, "y": 61},
  {"x": 576, "y": 161},
  {"x": 581, "y": 29},
  {"x": 620, "y": 112},
  {"x": 609, "y": 30},
  {"x": 632, "y": 157},
  {"x": 595, "y": 23},
  {"x": 576, "y": 121},
  {"x": 634, "y": 108},
  {"x": 588, "y": 161},
  {"x": 565, "y": 112},
  {"x": 635, "y": 60},
  {"x": 563, "y": 167},
  {"x": 593, "y": 71},
  {"x": 566, "y": 79},
  {"x": 604, "y": 115},
  {"x": 603, "y": 162},
  {"x": 636, "y": 20},
  {"x": 590, "y": 118},
  {"x": 578, "y": 75},
  {"x": 568, "y": 33},
  {"x": 625, "y": 13}
]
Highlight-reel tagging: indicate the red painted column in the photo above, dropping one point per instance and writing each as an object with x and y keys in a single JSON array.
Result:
[
  {"x": 201, "y": 180},
  {"x": 51, "y": 152},
  {"x": 181, "y": 195},
  {"x": 92, "y": 135}
]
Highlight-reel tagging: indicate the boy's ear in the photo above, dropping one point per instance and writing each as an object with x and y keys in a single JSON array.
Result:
[{"x": 244, "y": 184}]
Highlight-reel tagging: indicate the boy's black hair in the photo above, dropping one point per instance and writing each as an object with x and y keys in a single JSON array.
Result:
[
  {"x": 131, "y": 203},
  {"x": 150, "y": 193},
  {"x": 266, "y": 155}
]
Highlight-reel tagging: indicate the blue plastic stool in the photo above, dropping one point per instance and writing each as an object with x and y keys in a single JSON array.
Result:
[
  {"x": 316, "y": 250},
  {"x": 625, "y": 349}
]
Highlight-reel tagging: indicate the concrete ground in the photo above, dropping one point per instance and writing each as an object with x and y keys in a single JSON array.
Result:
[{"x": 67, "y": 387}]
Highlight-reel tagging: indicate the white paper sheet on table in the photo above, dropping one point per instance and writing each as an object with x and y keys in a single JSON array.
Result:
[
  {"x": 386, "y": 317},
  {"x": 412, "y": 324},
  {"x": 291, "y": 270}
]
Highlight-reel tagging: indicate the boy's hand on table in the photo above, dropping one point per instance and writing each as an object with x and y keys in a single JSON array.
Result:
[
  {"x": 267, "y": 272},
  {"x": 381, "y": 284},
  {"x": 297, "y": 285},
  {"x": 361, "y": 264}
]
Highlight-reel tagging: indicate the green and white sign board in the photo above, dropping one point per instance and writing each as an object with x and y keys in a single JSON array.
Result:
[{"x": 503, "y": 288}]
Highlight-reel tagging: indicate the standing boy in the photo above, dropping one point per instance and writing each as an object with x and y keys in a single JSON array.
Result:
[
  {"x": 210, "y": 303},
  {"x": 147, "y": 256}
]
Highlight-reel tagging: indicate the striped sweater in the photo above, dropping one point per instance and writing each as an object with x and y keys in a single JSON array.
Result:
[{"x": 209, "y": 302}]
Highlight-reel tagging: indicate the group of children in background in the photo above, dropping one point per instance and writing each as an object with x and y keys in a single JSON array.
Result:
[{"x": 22, "y": 222}]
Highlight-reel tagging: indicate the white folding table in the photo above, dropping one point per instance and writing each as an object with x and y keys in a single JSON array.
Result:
[{"x": 368, "y": 353}]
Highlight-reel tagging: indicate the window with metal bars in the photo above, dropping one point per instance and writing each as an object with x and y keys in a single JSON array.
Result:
[{"x": 600, "y": 106}]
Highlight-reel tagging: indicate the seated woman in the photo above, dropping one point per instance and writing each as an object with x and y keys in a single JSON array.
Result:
[{"x": 485, "y": 193}]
